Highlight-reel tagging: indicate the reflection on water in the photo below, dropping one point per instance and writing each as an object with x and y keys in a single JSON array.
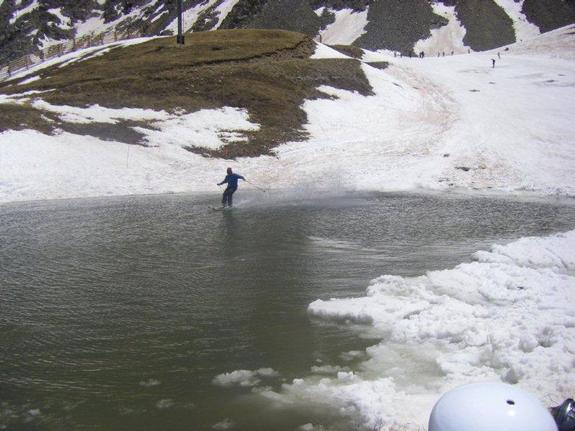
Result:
[{"x": 116, "y": 314}]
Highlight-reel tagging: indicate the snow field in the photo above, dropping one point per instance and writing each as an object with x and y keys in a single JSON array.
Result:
[{"x": 449, "y": 123}]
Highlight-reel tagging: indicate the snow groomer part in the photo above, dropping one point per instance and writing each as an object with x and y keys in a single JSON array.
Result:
[{"x": 490, "y": 407}]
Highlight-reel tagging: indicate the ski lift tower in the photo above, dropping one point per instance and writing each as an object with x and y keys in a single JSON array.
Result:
[{"x": 180, "y": 37}]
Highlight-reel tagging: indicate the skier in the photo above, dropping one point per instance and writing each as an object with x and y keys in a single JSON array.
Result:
[{"x": 232, "y": 181}]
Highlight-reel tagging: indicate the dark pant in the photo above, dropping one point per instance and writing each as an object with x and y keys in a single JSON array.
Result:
[{"x": 227, "y": 198}]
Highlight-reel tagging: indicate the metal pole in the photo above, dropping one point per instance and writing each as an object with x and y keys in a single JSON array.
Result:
[{"x": 180, "y": 38}]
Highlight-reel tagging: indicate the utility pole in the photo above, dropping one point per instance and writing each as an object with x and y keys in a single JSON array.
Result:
[{"x": 180, "y": 38}]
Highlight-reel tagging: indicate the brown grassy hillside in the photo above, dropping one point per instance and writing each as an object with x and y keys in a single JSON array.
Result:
[{"x": 267, "y": 72}]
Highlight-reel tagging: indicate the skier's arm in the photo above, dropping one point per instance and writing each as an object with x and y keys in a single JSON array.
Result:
[
  {"x": 239, "y": 176},
  {"x": 224, "y": 181}
]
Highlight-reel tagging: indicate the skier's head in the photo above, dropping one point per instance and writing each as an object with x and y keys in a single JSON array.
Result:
[
  {"x": 490, "y": 407},
  {"x": 229, "y": 171}
]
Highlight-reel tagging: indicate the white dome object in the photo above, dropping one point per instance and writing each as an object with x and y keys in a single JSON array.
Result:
[{"x": 490, "y": 407}]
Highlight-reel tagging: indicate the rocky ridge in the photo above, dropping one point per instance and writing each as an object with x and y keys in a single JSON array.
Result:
[{"x": 27, "y": 26}]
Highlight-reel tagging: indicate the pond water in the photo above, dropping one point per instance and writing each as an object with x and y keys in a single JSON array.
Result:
[{"x": 117, "y": 313}]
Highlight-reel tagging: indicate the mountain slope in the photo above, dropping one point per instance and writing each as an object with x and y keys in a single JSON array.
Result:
[
  {"x": 439, "y": 123},
  {"x": 29, "y": 25},
  {"x": 267, "y": 73}
]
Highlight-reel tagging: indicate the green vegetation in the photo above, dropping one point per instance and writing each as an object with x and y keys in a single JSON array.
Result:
[{"x": 267, "y": 72}]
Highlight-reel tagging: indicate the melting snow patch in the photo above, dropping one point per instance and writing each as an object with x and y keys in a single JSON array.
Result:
[
  {"x": 29, "y": 80},
  {"x": 224, "y": 9},
  {"x": 506, "y": 317},
  {"x": 244, "y": 378},
  {"x": 100, "y": 114},
  {"x": 26, "y": 10},
  {"x": 523, "y": 28},
  {"x": 445, "y": 39},
  {"x": 323, "y": 51},
  {"x": 348, "y": 26},
  {"x": 190, "y": 16},
  {"x": 207, "y": 128},
  {"x": 65, "y": 22}
]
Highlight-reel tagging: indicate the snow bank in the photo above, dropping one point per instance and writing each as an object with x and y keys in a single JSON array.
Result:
[
  {"x": 38, "y": 166},
  {"x": 35, "y": 166},
  {"x": 509, "y": 316}
]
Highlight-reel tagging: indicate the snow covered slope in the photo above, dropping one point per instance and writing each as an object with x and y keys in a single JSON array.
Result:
[{"x": 442, "y": 123}]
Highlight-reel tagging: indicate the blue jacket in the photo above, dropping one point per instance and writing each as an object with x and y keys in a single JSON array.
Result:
[{"x": 232, "y": 180}]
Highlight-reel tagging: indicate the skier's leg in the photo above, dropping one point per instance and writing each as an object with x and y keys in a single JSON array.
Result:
[
  {"x": 226, "y": 197},
  {"x": 230, "y": 197}
]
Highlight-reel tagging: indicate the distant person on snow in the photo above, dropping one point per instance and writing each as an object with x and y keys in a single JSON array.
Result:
[
  {"x": 232, "y": 181},
  {"x": 493, "y": 63}
]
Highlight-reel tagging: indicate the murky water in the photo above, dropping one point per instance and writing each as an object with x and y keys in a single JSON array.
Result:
[{"x": 116, "y": 314}]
